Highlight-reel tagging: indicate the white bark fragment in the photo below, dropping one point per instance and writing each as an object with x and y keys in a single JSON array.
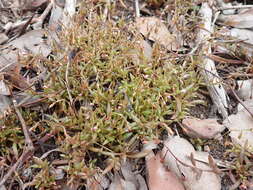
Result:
[
  {"x": 215, "y": 88},
  {"x": 69, "y": 12}
]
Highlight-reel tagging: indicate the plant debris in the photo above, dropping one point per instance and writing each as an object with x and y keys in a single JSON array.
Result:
[{"x": 125, "y": 94}]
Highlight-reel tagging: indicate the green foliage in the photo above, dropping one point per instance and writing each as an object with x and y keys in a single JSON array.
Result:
[
  {"x": 107, "y": 98},
  {"x": 116, "y": 97}
]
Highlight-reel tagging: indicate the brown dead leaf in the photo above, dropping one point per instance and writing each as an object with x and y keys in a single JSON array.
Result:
[
  {"x": 16, "y": 80},
  {"x": 177, "y": 156},
  {"x": 32, "y": 5},
  {"x": 205, "y": 128},
  {"x": 159, "y": 177},
  {"x": 38, "y": 3},
  {"x": 241, "y": 20},
  {"x": 240, "y": 125},
  {"x": 153, "y": 29}
]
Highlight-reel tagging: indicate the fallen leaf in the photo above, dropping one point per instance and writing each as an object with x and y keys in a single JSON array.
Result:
[
  {"x": 245, "y": 89},
  {"x": 129, "y": 180},
  {"x": 245, "y": 40},
  {"x": 117, "y": 183},
  {"x": 5, "y": 104},
  {"x": 2, "y": 187},
  {"x": 35, "y": 41},
  {"x": 241, "y": 20},
  {"x": 126, "y": 170},
  {"x": 226, "y": 3},
  {"x": 3, "y": 38},
  {"x": 159, "y": 177},
  {"x": 243, "y": 34},
  {"x": 37, "y": 3},
  {"x": 202, "y": 128},
  {"x": 142, "y": 182},
  {"x": 16, "y": 80},
  {"x": 142, "y": 51},
  {"x": 8, "y": 59},
  {"x": 32, "y": 5},
  {"x": 177, "y": 156},
  {"x": 153, "y": 29},
  {"x": 4, "y": 89},
  {"x": 146, "y": 49},
  {"x": 55, "y": 18},
  {"x": 240, "y": 125}
]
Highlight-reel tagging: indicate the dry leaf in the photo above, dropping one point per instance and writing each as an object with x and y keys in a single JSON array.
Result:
[
  {"x": 159, "y": 177},
  {"x": 16, "y": 80},
  {"x": 153, "y": 29},
  {"x": 242, "y": 34},
  {"x": 241, "y": 20},
  {"x": 206, "y": 128},
  {"x": 31, "y": 5},
  {"x": 5, "y": 104},
  {"x": 55, "y": 18},
  {"x": 12, "y": 75},
  {"x": 35, "y": 41},
  {"x": 2, "y": 187},
  {"x": 146, "y": 49},
  {"x": 226, "y": 3},
  {"x": 126, "y": 170},
  {"x": 3, "y": 38},
  {"x": 8, "y": 59},
  {"x": 143, "y": 50},
  {"x": 245, "y": 89},
  {"x": 38, "y": 3},
  {"x": 142, "y": 182},
  {"x": 177, "y": 156},
  {"x": 240, "y": 125},
  {"x": 119, "y": 184},
  {"x": 245, "y": 39},
  {"x": 4, "y": 89},
  {"x": 130, "y": 181}
]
